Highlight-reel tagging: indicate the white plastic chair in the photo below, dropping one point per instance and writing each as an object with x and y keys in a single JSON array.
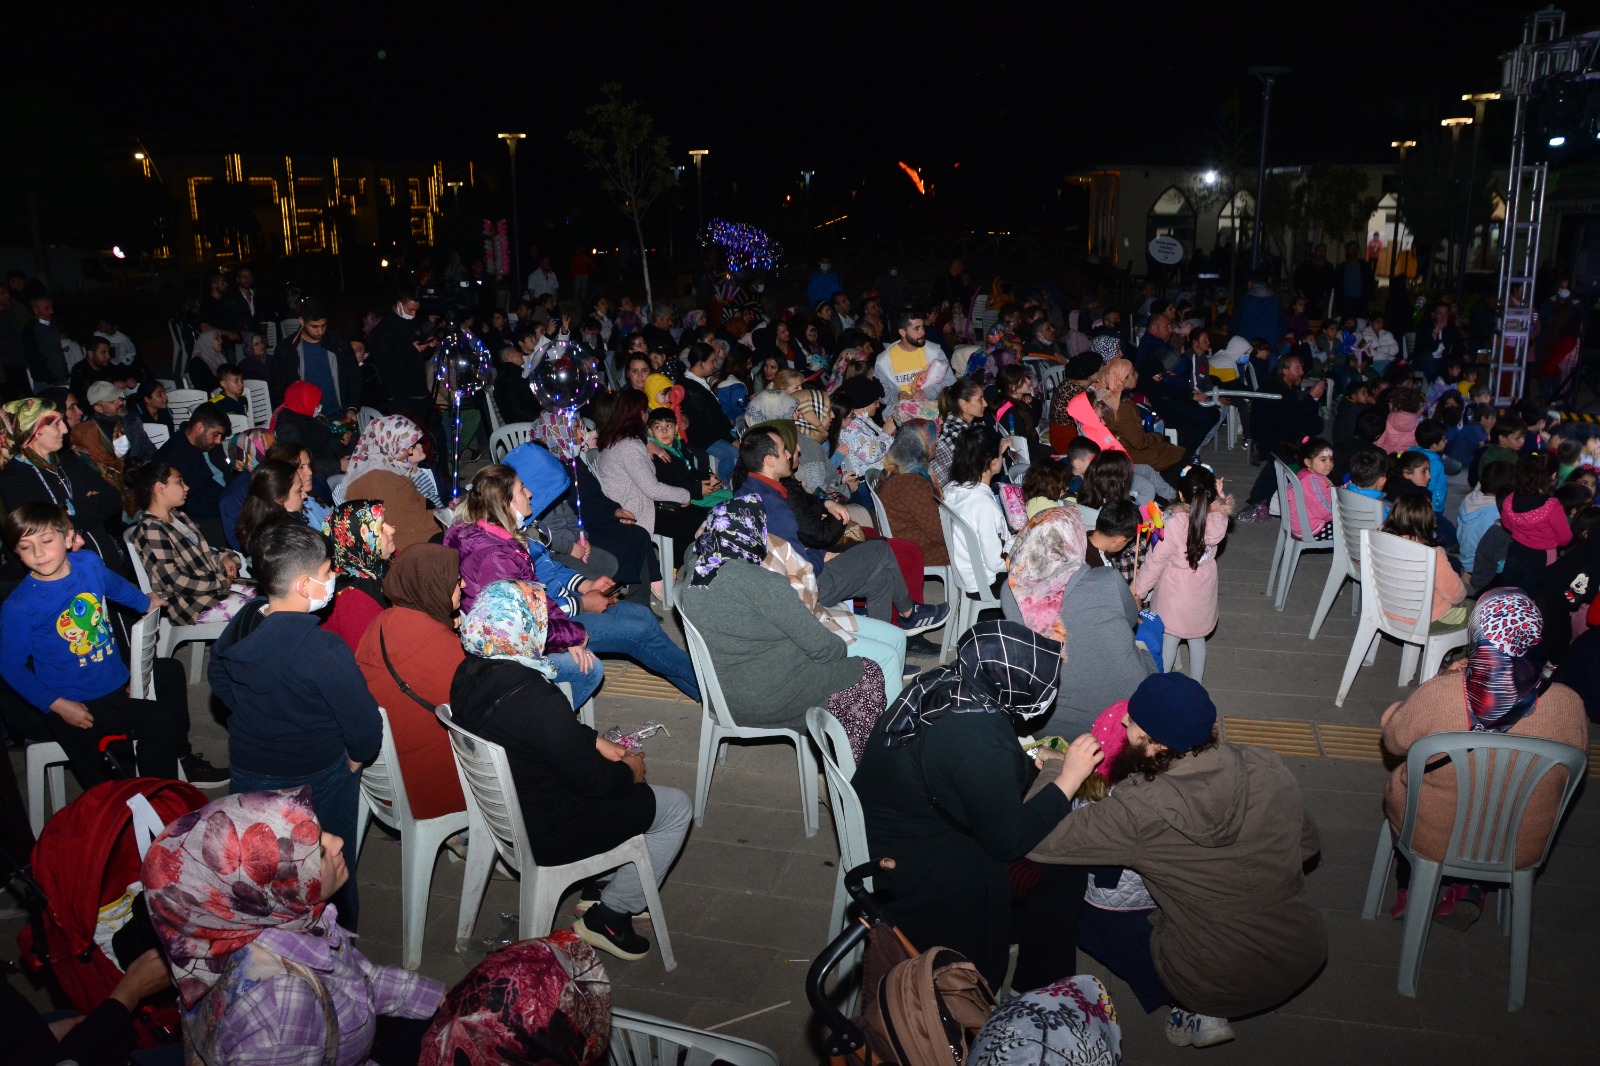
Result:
[
  {"x": 849, "y": 823},
  {"x": 258, "y": 400},
  {"x": 1397, "y": 599},
  {"x": 717, "y": 726},
  {"x": 383, "y": 796},
  {"x": 669, "y": 587},
  {"x": 181, "y": 403},
  {"x": 496, "y": 420},
  {"x": 1496, "y": 776},
  {"x": 1287, "y": 550},
  {"x": 157, "y": 433},
  {"x": 237, "y": 424},
  {"x": 974, "y": 595},
  {"x": 173, "y": 637},
  {"x": 365, "y": 416},
  {"x": 1352, "y": 512},
  {"x": 496, "y": 829},
  {"x": 509, "y": 436},
  {"x": 880, "y": 515},
  {"x": 641, "y": 1040},
  {"x": 270, "y": 331}
]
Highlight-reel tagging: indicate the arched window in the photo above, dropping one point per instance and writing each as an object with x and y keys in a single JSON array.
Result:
[
  {"x": 1236, "y": 218},
  {"x": 1172, "y": 216}
]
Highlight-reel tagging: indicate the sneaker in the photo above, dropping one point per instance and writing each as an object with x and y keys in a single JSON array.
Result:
[
  {"x": 1459, "y": 907},
  {"x": 590, "y": 897},
  {"x": 200, "y": 772},
  {"x": 923, "y": 617},
  {"x": 611, "y": 932},
  {"x": 1261, "y": 512},
  {"x": 1188, "y": 1029}
]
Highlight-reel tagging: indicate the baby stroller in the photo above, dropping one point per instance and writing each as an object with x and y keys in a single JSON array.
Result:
[
  {"x": 916, "y": 1008},
  {"x": 85, "y": 859}
]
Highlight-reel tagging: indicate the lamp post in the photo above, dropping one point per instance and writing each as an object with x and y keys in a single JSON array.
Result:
[
  {"x": 672, "y": 214},
  {"x": 1479, "y": 101},
  {"x": 1267, "y": 75},
  {"x": 699, "y": 155},
  {"x": 1454, "y": 125},
  {"x": 1394, "y": 245},
  {"x": 811, "y": 238},
  {"x": 511, "y": 140}
]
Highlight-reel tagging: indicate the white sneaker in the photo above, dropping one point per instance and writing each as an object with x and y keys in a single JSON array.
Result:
[{"x": 1188, "y": 1029}]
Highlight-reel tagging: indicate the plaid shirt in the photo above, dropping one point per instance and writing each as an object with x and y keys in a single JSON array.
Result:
[{"x": 187, "y": 572}]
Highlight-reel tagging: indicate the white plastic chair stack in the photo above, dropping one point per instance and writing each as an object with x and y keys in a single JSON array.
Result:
[
  {"x": 1287, "y": 550},
  {"x": 383, "y": 796},
  {"x": 973, "y": 595},
  {"x": 1397, "y": 599},
  {"x": 1352, "y": 512},
  {"x": 1496, "y": 777},
  {"x": 496, "y": 829},
  {"x": 173, "y": 637},
  {"x": 849, "y": 823},
  {"x": 258, "y": 401},
  {"x": 181, "y": 404},
  {"x": 640, "y": 1040},
  {"x": 717, "y": 727},
  {"x": 509, "y": 436}
]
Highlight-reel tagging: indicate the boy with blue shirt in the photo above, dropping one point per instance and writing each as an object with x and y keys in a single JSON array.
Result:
[
  {"x": 58, "y": 649},
  {"x": 1430, "y": 443},
  {"x": 1367, "y": 477}
]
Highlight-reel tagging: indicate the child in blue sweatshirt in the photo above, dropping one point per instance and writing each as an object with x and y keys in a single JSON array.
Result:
[
  {"x": 1430, "y": 443},
  {"x": 58, "y": 649},
  {"x": 1368, "y": 475}
]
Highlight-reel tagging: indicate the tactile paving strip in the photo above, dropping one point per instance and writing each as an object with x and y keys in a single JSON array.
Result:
[
  {"x": 1360, "y": 742},
  {"x": 1283, "y": 737},
  {"x": 640, "y": 684}
]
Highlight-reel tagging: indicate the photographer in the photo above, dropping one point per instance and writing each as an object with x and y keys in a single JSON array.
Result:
[{"x": 401, "y": 347}]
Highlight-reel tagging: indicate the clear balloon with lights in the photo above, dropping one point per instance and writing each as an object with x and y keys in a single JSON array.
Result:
[
  {"x": 462, "y": 367},
  {"x": 564, "y": 381}
]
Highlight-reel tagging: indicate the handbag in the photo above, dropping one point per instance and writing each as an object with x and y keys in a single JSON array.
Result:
[{"x": 383, "y": 650}]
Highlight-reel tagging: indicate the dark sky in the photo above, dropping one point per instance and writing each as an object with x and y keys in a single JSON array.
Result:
[{"x": 1020, "y": 95}]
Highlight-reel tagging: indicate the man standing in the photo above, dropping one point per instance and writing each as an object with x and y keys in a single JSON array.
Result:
[
  {"x": 1313, "y": 279},
  {"x": 580, "y": 268},
  {"x": 911, "y": 368},
  {"x": 1280, "y": 423},
  {"x": 41, "y": 345},
  {"x": 401, "y": 356},
  {"x": 243, "y": 305},
  {"x": 1220, "y": 837},
  {"x": 1357, "y": 283},
  {"x": 317, "y": 359},
  {"x": 893, "y": 291},
  {"x": 823, "y": 283}
]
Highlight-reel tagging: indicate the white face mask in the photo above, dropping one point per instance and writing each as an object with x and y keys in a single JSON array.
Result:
[
  {"x": 824, "y": 267},
  {"x": 1563, "y": 293},
  {"x": 402, "y": 313},
  {"x": 327, "y": 594},
  {"x": 119, "y": 447}
]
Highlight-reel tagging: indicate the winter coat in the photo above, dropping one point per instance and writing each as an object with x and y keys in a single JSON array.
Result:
[
  {"x": 404, "y": 507},
  {"x": 1220, "y": 839},
  {"x": 978, "y": 505},
  {"x": 912, "y": 504},
  {"x": 1473, "y": 518},
  {"x": 629, "y": 477},
  {"x": 1318, "y": 493},
  {"x": 1143, "y": 446},
  {"x": 1186, "y": 599}
]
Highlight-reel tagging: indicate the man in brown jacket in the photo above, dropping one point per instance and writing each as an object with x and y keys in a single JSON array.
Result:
[{"x": 1220, "y": 836}]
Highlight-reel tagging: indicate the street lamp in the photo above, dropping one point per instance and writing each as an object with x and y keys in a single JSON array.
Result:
[
  {"x": 810, "y": 236},
  {"x": 1267, "y": 75},
  {"x": 1394, "y": 245},
  {"x": 672, "y": 214},
  {"x": 699, "y": 155},
  {"x": 1454, "y": 125},
  {"x": 1479, "y": 101},
  {"x": 511, "y": 140}
]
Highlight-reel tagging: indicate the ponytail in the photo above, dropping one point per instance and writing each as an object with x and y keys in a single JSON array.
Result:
[{"x": 1197, "y": 487}]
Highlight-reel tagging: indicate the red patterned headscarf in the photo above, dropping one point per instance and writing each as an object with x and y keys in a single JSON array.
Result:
[
  {"x": 219, "y": 877},
  {"x": 1502, "y": 682}
]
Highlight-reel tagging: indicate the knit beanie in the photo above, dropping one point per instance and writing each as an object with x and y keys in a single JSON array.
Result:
[{"x": 1174, "y": 709}]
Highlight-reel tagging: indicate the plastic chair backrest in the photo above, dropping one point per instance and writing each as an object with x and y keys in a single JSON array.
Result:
[
  {"x": 140, "y": 576},
  {"x": 495, "y": 418},
  {"x": 710, "y": 687},
  {"x": 181, "y": 403},
  {"x": 237, "y": 424},
  {"x": 157, "y": 433},
  {"x": 1291, "y": 493},
  {"x": 258, "y": 401},
  {"x": 879, "y": 511},
  {"x": 953, "y": 525},
  {"x": 382, "y": 785},
  {"x": 365, "y": 416},
  {"x": 1496, "y": 776},
  {"x": 640, "y": 1040},
  {"x": 1354, "y": 512},
  {"x": 507, "y": 437},
  {"x": 838, "y": 768},
  {"x": 485, "y": 774},
  {"x": 143, "y": 636},
  {"x": 1397, "y": 584}
]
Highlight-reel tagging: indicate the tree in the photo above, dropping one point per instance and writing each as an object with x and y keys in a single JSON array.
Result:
[
  {"x": 1427, "y": 199},
  {"x": 621, "y": 145}
]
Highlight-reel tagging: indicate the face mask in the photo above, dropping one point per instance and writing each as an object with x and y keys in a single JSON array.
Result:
[
  {"x": 403, "y": 315},
  {"x": 327, "y": 594},
  {"x": 119, "y": 447},
  {"x": 824, "y": 267},
  {"x": 1563, "y": 293}
]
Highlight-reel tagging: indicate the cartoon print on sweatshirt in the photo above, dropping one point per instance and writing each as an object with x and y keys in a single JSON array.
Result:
[{"x": 83, "y": 625}]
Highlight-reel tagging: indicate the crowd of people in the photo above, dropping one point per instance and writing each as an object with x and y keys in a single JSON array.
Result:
[{"x": 803, "y": 468}]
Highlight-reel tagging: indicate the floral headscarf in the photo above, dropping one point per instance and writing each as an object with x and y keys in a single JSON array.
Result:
[
  {"x": 1045, "y": 555},
  {"x": 538, "y": 1001},
  {"x": 811, "y": 411},
  {"x": 1502, "y": 682},
  {"x": 1106, "y": 346},
  {"x": 733, "y": 530},
  {"x": 219, "y": 877},
  {"x": 509, "y": 620},
  {"x": 356, "y": 529},
  {"x": 26, "y": 415},
  {"x": 385, "y": 445},
  {"x": 835, "y": 375}
]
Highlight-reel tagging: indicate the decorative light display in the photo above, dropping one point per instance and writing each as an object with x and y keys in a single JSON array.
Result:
[
  {"x": 746, "y": 247},
  {"x": 563, "y": 382},
  {"x": 463, "y": 366}
]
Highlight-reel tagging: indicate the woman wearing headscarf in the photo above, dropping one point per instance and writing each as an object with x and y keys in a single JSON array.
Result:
[
  {"x": 1143, "y": 446},
  {"x": 245, "y": 452},
  {"x": 535, "y": 1002},
  {"x": 1495, "y": 689},
  {"x": 813, "y": 465},
  {"x": 296, "y": 421},
  {"x": 774, "y": 659},
  {"x": 1088, "y": 609},
  {"x": 43, "y": 470},
  {"x": 580, "y": 793},
  {"x": 908, "y": 493},
  {"x": 237, "y": 894},
  {"x": 409, "y": 655},
  {"x": 363, "y": 544},
  {"x": 942, "y": 785},
  {"x": 208, "y": 358},
  {"x": 381, "y": 469}
]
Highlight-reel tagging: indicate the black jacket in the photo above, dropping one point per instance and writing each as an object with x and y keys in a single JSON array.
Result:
[
  {"x": 575, "y": 801},
  {"x": 512, "y": 395},
  {"x": 204, "y": 493},
  {"x": 96, "y": 506},
  {"x": 818, "y": 528},
  {"x": 284, "y": 370},
  {"x": 401, "y": 367},
  {"x": 707, "y": 421}
]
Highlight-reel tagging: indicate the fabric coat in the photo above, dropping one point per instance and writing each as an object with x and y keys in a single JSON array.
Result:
[
  {"x": 912, "y": 504},
  {"x": 1185, "y": 599},
  {"x": 629, "y": 477}
]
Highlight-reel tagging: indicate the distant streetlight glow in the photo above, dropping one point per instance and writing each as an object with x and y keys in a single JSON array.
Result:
[
  {"x": 1209, "y": 177},
  {"x": 1557, "y": 141},
  {"x": 116, "y": 250}
]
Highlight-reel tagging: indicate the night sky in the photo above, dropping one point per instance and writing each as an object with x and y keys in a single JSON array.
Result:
[{"x": 1020, "y": 96}]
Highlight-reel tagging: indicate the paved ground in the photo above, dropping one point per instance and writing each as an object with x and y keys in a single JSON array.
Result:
[{"x": 748, "y": 902}]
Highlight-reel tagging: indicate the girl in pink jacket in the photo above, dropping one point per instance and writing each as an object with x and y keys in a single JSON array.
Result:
[
  {"x": 1536, "y": 521},
  {"x": 1182, "y": 569},
  {"x": 1316, "y": 463}
]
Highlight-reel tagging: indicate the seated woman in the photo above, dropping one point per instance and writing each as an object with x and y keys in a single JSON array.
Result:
[
  {"x": 941, "y": 786},
  {"x": 43, "y": 470},
  {"x": 489, "y": 536},
  {"x": 207, "y": 360},
  {"x": 1089, "y": 609},
  {"x": 363, "y": 544},
  {"x": 105, "y": 445},
  {"x": 1013, "y": 411},
  {"x": 196, "y": 580},
  {"x": 680, "y": 466},
  {"x": 580, "y": 793},
  {"x": 1123, "y": 419},
  {"x": 409, "y": 655},
  {"x": 245, "y": 452},
  {"x": 150, "y": 402},
  {"x": 381, "y": 469},
  {"x": 319, "y": 497},
  {"x": 862, "y": 442},
  {"x": 626, "y": 473},
  {"x": 275, "y": 496},
  {"x": 971, "y": 496},
  {"x": 961, "y": 405},
  {"x": 908, "y": 494},
  {"x": 773, "y": 658},
  {"x": 1495, "y": 689},
  {"x": 237, "y": 893},
  {"x": 296, "y": 421}
]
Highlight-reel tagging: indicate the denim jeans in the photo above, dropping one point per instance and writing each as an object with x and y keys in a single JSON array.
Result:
[
  {"x": 335, "y": 797},
  {"x": 885, "y": 644},
  {"x": 583, "y": 684},
  {"x": 631, "y": 630}
]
